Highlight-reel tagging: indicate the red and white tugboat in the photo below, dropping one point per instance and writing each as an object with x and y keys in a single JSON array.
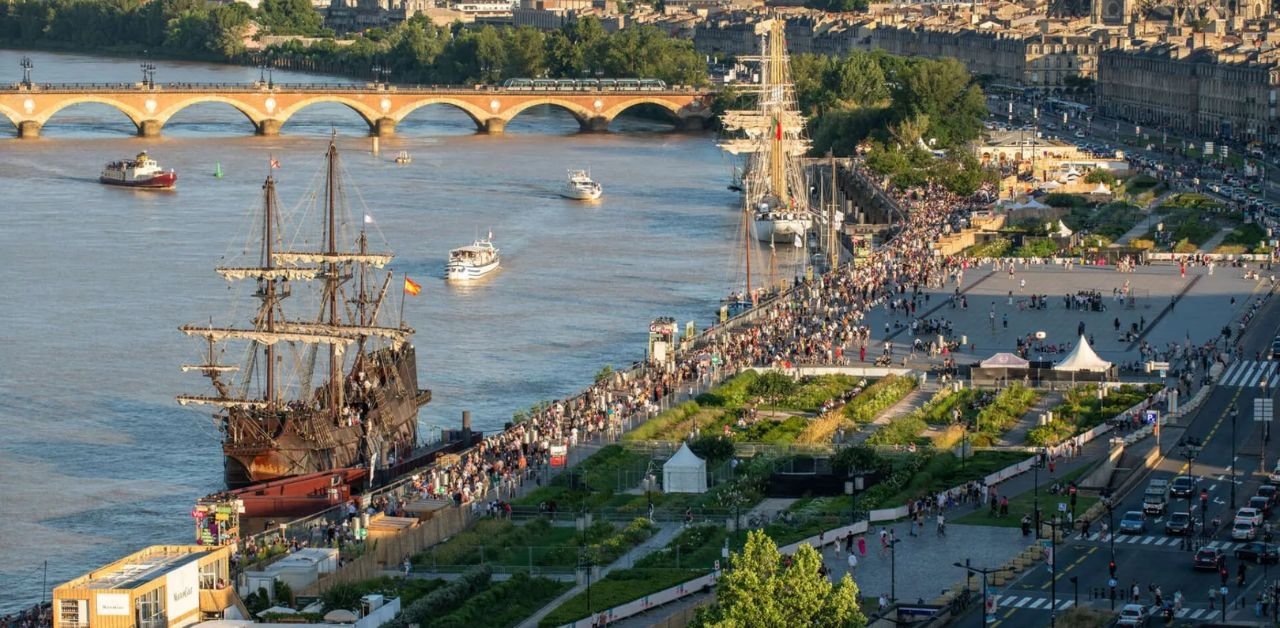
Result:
[{"x": 139, "y": 172}]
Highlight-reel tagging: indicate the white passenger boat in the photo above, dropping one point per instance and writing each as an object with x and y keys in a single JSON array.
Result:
[
  {"x": 472, "y": 262},
  {"x": 581, "y": 187}
]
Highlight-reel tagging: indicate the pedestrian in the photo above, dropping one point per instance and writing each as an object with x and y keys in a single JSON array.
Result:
[
  {"x": 883, "y": 603},
  {"x": 853, "y": 563},
  {"x": 1212, "y": 594},
  {"x": 862, "y": 545}
]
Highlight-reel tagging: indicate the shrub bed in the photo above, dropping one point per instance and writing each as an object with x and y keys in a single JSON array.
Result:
[
  {"x": 503, "y": 604},
  {"x": 878, "y": 397}
]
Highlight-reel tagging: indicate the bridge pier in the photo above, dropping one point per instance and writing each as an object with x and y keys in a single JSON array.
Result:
[
  {"x": 269, "y": 126},
  {"x": 594, "y": 124},
  {"x": 149, "y": 128},
  {"x": 693, "y": 124},
  {"x": 29, "y": 129},
  {"x": 493, "y": 126},
  {"x": 384, "y": 127}
]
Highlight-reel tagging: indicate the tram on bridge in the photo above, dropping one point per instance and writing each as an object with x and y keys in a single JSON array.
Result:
[{"x": 585, "y": 85}]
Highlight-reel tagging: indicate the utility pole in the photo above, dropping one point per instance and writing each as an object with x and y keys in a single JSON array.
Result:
[{"x": 985, "y": 572}]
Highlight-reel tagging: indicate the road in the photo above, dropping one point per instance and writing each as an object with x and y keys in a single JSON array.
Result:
[
  {"x": 1121, "y": 134},
  {"x": 1152, "y": 557}
]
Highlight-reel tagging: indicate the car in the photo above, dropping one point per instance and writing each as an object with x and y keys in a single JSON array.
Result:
[
  {"x": 1270, "y": 492},
  {"x": 1181, "y": 524},
  {"x": 1252, "y": 516},
  {"x": 1259, "y": 552},
  {"x": 1275, "y": 351},
  {"x": 1079, "y": 133},
  {"x": 1133, "y": 615},
  {"x": 1133, "y": 522},
  {"x": 1183, "y": 486},
  {"x": 1209, "y": 558},
  {"x": 1260, "y": 504},
  {"x": 1243, "y": 531}
]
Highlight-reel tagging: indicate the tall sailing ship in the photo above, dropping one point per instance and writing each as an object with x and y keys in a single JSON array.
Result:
[
  {"x": 773, "y": 139},
  {"x": 335, "y": 390}
]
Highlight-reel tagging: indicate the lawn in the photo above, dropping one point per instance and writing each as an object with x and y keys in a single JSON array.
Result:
[
  {"x": 1001, "y": 413},
  {"x": 692, "y": 553},
  {"x": 1111, "y": 220},
  {"x": 536, "y": 544},
  {"x": 503, "y": 604},
  {"x": 594, "y": 481},
  {"x": 1081, "y": 411},
  {"x": 771, "y": 393},
  {"x": 1020, "y": 505}
]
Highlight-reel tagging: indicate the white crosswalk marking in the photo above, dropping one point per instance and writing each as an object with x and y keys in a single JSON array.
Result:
[
  {"x": 1197, "y": 613},
  {"x": 1037, "y": 603},
  {"x": 1065, "y": 605},
  {"x": 1213, "y": 545},
  {"x": 1251, "y": 373},
  {"x": 1147, "y": 540},
  {"x": 1022, "y": 602},
  {"x": 1164, "y": 539},
  {"x": 1095, "y": 536},
  {"x": 1182, "y": 612}
]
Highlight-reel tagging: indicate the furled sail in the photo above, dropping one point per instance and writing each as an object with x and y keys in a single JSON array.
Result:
[
  {"x": 376, "y": 260},
  {"x": 398, "y": 335},
  {"x": 292, "y": 274},
  {"x": 224, "y": 402},
  {"x": 262, "y": 336}
]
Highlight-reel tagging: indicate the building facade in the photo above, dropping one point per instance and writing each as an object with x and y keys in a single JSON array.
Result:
[{"x": 162, "y": 586}]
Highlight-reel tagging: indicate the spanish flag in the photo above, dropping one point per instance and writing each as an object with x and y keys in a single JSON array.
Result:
[{"x": 411, "y": 287}]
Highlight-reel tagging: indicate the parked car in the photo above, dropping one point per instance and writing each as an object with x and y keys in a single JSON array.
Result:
[
  {"x": 1209, "y": 558},
  {"x": 1180, "y": 523},
  {"x": 1242, "y": 530},
  {"x": 1259, "y": 552},
  {"x": 1133, "y": 522},
  {"x": 1133, "y": 615},
  {"x": 1252, "y": 516}
]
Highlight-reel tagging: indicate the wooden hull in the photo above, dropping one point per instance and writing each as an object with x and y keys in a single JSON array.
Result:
[
  {"x": 301, "y": 495},
  {"x": 307, "y": 442}
]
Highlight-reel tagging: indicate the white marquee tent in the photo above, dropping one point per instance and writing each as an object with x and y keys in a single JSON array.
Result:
[
  {"x": 685, "y": 472},
  {"x": 1082, "y": 358},
  {"x": 1004, "y": 360}
]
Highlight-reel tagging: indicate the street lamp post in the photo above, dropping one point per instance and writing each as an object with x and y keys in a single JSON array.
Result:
[
  {"x": 1235, "y": 412},
  {"x": 1053, "y": 569},
  {"x": 852, "y": 487},
  {"x": 985, "y": 572},
  {"x": 26, "y": 65},
  {"x": 893, "y": 570},
  {"x": 1035, "y": 492},
  {"x": 1111, "y": 528}
]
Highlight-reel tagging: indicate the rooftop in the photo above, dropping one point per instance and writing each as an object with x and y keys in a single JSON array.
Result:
[{"x": 141, "y": 567}]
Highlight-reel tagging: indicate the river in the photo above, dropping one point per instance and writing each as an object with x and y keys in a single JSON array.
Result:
[{"x": 97, "y": 458}]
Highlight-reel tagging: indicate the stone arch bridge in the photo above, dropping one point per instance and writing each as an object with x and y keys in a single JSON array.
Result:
[{"x": 268, "y": 107}]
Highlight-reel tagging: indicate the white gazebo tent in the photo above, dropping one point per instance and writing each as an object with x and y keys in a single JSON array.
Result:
[
  {"x": 1082, "y": 358},
  {"x": 1004, "y": 361},
  {"x": 685, "y": 472}
]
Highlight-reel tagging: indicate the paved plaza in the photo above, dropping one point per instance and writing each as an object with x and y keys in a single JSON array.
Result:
[
  {"x": 1203, "y": 306},
  {"x": 924, "y": 565}
]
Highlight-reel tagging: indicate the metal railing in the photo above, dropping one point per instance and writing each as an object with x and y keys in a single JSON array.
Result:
[{"x": 316, "y": 88}]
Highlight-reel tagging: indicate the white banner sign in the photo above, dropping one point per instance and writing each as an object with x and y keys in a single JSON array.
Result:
[
  {"x": 182, "y": 590},
  {"x": 112, "y": 604}
]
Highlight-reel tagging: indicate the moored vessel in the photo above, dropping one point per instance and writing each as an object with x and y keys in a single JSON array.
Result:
[
  {"x": 140, "y": 172},
  {"x": 581, "y": 187},
  {"x": 404, "y": 158},
  {"x": 472, "y": 262},
  {"x": 337, "y": 390}
]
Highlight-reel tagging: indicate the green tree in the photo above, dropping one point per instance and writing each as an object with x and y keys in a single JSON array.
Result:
[
  {"x": 944, "y": 91},
  {"x": 761, "y": 591},
  {"x": 858, "y": 81},
  {"x": 290, "y": 17}
]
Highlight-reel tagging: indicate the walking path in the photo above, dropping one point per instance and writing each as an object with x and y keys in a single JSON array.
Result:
[
  {"x": 666, "y": 532},
  {"x": 1212, "y": 243},
  {"x": 1018, "y": 434},
  {"x": 913, "y": 401},
  {"x": 1145, "y": 224}
]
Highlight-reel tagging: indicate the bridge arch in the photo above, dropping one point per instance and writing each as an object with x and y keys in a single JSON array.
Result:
[
  {"x": 580, "y": 113},
  {"x": 672, "y": 110},
  {"x": 477, "y": 114},
  {"x": 12, "y": 116},
  {"x": 254, "y": 116},
  {"x": 367, "y": 113},
  {"x": 135, "y": 116}
]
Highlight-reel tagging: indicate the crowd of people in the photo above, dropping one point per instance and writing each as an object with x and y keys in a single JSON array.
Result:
[{"x": 37, "y": 616}]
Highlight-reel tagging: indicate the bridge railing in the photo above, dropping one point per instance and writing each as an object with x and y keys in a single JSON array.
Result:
[{"x": 316, "y": 87}]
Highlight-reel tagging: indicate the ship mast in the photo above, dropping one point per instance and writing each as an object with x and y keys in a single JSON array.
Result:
[
  {"x": 332, "y": 277},
  {"x": 776, "y": 80},
  {"x": 269, "y": 290}
]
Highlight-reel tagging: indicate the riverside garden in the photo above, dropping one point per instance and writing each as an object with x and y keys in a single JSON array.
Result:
[{"x": 607, "y": 515}]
